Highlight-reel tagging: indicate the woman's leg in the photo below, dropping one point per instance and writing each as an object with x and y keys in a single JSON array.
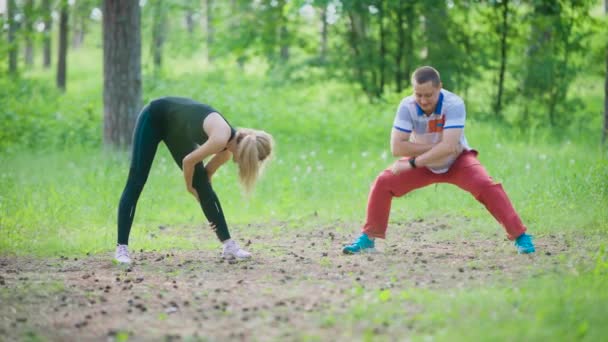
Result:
[
  {"x": 209, "y": 201},
  {"x": 145, "y": 142}
]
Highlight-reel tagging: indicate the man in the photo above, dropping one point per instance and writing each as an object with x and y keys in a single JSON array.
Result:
[{"x": 428, "y": 132}]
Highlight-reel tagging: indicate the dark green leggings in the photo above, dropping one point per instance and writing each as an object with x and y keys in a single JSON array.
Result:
[{"x": 149, "y": 132}]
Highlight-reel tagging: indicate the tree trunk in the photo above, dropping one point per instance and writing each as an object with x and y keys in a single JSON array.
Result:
[
  {"x": 63, "y": 46},
  {"x": 209, "y": 28},
  {"x": 12, "y": 42},
  {"x": 284, "y": 39},
  {"x": 48, "y": 22},
  {"x": 380, "y": 87},
  {"x": 283, "y": 32},
  {"x": 122, "y": 86},
  {"x": 158, "y": 34},
  {"x": 29, "y": 32},
  {"x": 399, "y": 52},
  {"x": 503, "y": 57},
  {"x": 189, "y": 20},
  {"x": 78, "y": 31},
  {"x": 324, "y": 27},
  {"x": 354, "y": 40},
  {"x": 410, "y": 17},
  {"x": 605, "y": 134}
]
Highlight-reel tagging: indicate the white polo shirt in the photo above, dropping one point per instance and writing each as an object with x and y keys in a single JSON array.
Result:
[{"x": 428, "y": 129}]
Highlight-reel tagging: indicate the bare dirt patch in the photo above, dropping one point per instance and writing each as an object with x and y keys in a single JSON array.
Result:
[{"x": 295, "y": 277}]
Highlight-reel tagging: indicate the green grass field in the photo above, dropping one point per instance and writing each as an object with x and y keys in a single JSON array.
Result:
[{"x": 331, "y": 143}]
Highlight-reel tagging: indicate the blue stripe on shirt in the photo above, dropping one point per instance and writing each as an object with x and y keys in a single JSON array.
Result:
[{"x": 402, "y": 129}]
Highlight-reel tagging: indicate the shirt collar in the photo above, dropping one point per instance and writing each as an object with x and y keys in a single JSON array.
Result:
[{"x": 437, "y": 107}]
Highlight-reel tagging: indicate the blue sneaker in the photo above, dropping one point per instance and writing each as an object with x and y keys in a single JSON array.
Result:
[
  {"x": 363, "y": 245},
  {"x": 524, "y": 244}
]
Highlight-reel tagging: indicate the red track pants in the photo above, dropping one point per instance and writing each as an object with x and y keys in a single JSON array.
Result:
[{"x": 466, "y": 173}]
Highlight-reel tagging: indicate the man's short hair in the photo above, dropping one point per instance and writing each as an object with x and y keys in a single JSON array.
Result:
[{"x": 425, "y": 74}]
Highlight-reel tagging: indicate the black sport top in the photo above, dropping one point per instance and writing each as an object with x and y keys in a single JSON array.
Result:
[{"x": 183, "y": 118}]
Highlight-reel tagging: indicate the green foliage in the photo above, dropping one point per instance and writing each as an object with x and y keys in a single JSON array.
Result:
[
  {"x": 331, "y": 143},
  {"x": 34, "y": 116}
]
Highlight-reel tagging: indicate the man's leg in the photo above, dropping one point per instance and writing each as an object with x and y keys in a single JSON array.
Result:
[
  {"x": 468, "y": 174},
  {"x": 386, "y": 186}
]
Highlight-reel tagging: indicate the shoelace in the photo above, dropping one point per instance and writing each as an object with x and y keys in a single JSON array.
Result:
[
  {"x": 123, "y": 251},
  {"x": 359, "y": 240}
]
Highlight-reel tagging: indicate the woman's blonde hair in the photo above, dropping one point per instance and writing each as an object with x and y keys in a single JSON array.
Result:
[{"x": 253, "y": 150}]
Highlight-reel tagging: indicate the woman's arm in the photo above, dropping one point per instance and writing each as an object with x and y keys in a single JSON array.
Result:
[
  {"x": 216, "y": 161},
  {"x": 218, "y": 132}
]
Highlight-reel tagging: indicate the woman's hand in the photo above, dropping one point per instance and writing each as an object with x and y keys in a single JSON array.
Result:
[{"x": 194, "y": 193}]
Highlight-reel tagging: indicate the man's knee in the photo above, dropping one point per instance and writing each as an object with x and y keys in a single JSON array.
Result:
[
  {"x": 384, "y": 179},
  {"x": 488, "y": 190}
]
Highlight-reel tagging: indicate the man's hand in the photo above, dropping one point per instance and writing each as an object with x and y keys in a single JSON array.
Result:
[{"x": 400, "y": 166}]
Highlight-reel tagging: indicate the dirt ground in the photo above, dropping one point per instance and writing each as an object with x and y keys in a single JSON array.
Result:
[{"x": 295, "y": 278}]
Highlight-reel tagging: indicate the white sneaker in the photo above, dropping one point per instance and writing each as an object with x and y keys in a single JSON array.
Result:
[
  {"x": 122, "y": 254},
  {"x": 233, "y": 251}
]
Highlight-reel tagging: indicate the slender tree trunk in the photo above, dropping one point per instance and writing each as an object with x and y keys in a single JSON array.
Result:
[
  {"x": 12, "y": 42},
  {"x": 122, "y": 86},
  {"x": 158, "y": 34},
  {"x": 399, "y": 52},
  {"x": 503, "y": 57},
  {"x": 78, "y": 31},
  {"x": 283, "y": 32},
  {"x": 324, "y": 27},
  {"x": 559, "y": 87},
  {"x": 48, "y": 22},
  {"x": 189, "y": 18},
  {"x": 354, "y": 40},
  {"x": 189, "y": 21},
  {"x": 284, "y": 39},
  {"x": 381, "y": 14},
  {"x": 209, "y": 28},
  {"x": 29, "y": 51},
  {"x": 605, "y": 134},
  {"x": 63, "y": 46},
  {"x": 410, "y": 17},
  {"x": 29, "y": 32}
]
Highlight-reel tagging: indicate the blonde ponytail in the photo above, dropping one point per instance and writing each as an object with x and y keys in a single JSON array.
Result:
[{"x": 254, "y": 149}]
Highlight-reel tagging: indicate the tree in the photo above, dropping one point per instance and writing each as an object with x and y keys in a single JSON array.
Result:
[
  {"x": 605, "y": 134},
  {"x": 558, "y": 35},
  {"x": 28, "y": 31},
  {"x": 122, "y": 86},
  {"x": 12, "y": 42},
  {"x": 189, "y": 9},
  {"x": 504, "y": 28},
  {"x": 48, "y": 22},
  {"x": 324, "y": 32},
  {"x": 209, "y": 28},
  {"x": 159, "y": 32},
  {"x": 63, "y": 45}
]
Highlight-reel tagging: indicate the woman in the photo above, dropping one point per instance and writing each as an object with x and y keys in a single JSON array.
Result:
[{"x": 192, "y": 132}]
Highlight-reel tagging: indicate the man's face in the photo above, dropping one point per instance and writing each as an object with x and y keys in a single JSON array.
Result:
[{"x": 427, "y": 96}]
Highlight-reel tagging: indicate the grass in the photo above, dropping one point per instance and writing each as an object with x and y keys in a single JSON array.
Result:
[
  {"x": 546, "y": 308},
  {"x": 330, "y": 145}
]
